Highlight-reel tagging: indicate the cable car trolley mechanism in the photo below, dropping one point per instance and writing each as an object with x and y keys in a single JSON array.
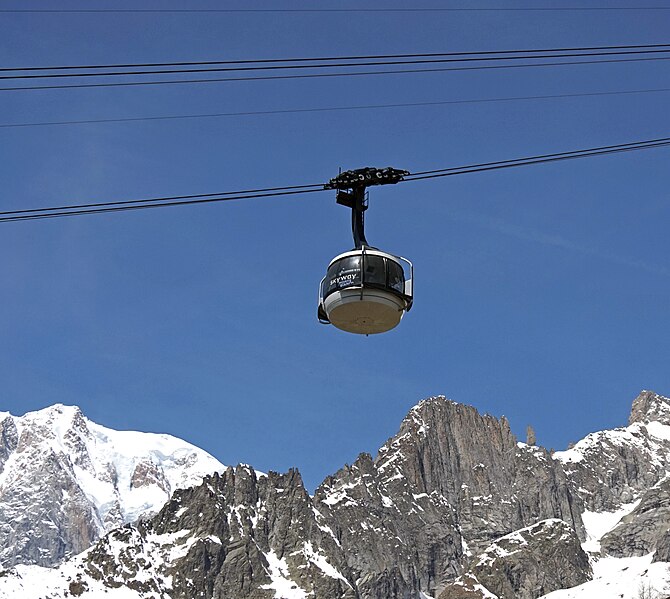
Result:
[{"x": 365, "y": 290}]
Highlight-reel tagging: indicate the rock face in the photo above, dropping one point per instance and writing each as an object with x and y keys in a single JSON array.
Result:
[
  {"x": 474, "y": 462},
  {"x": 641, "y": 531},
  {"x": 451, "y": 478},
  {"x": 236, "y": 535},
  {"x": 650, "y": 407},
  {"x": 662, "y": 553},
  {"x": 452, "y": 506},
  {"x": 253, "y": 538},
  {"x": 618, "y": 463},
  {"x": 466, "y": 587},
  {"x": 396, "y": 539},
  {"x": 533, "y": 561},
  {"x": 610, "y": 469},
  {"x": 65, "y": 481}
]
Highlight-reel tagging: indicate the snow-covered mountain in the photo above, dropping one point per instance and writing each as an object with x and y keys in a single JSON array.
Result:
[
  {"x": 452, "y": 507},
  {"x": 66, "y": 481},
  {"x": 623, "y": 476}
]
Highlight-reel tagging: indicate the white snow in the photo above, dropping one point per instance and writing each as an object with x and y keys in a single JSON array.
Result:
[
  {"x": 484, "y": 592},
  {"x": 35, "y": 582},
  {"x": 597, "y": 524},
  {"x": 390, "y": 459},
  {"x": 635, "y": 435},
  {"x": 340, "y": 494},
  {"x": 103, "y": 461},
  {"x": 322, "y": 563},
  {"x": 515, "y": 540},
  {"x": 620, "y": 578},
  {"x": 318, "y": 515},
  {"x": 386, "y": 501},
  {"x": 32, "y": 582},
  {"x": 659, "y": 430},
  {"x": 281, "y": 584},
  {"x": 182, "y": 464}
]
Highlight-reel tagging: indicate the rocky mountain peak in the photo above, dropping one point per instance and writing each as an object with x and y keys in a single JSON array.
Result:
[
  {"x": 65, "y": 481},
  {"x": 650, "y": 407},
  {"x": 443, "y": 445}
]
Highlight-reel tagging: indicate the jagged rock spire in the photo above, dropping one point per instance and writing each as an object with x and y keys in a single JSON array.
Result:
[{"x": 649, "y": 407}]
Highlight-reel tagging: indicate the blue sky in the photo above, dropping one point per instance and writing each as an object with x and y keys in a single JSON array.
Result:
[{"x": 542, "y": 293}]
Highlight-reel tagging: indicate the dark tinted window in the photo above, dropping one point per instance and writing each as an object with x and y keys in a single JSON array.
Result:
[
  {"x": 396, "y": 277},
  {"x": 375, "y": 270},
  {"x": 379, "y": 272},
  {"x": 344, "y": 273}
]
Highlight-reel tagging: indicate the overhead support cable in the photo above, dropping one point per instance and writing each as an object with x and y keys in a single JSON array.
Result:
[
  {"x": 541, "y": 159},
  {"x": 332, "y": 108},
  {"x": 126, "y": 208},
  {"x": 208, "y": 67},
  {"x": 103, "y": 207},
  {"x": 330, "y": 75},
  {"x": 329, "y": 10},
  {"x": 220, "y": 196},
  {"x": 335, "y": 58}
]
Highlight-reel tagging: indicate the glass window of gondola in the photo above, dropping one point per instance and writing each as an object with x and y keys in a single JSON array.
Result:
[
  {"x": 396, "y": 277},
  {"x": 374, "y": 271},
  {"x": 343, "y": 273}
]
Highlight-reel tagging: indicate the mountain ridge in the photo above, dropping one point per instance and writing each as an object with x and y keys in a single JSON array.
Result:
[{"x": 451, "y": 506}]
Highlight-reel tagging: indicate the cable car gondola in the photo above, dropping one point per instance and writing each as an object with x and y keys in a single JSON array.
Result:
[{"x": 365, "y": 290}]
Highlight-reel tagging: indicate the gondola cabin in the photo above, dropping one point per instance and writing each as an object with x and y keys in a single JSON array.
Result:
[{"x": 366, "y": 291}]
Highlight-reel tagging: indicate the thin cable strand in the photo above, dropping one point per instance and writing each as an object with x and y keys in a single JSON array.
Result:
[
  {"x": 334, "y": 65},
  {"x": 530, "y": 162},
  {"x": 329, "y": 10},
  {"x": 556, "y": 154},
  {"x": 335, "y": 58},
  {"x": 331, "y": 108},
  {"x": 219, "y": 195},
  {"x": 158, "y": 205},
  {"x": 324, "y": 75}
]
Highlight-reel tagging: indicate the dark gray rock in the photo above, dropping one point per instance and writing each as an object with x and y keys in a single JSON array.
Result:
[
  {"x": 466, "y": 587},
  {"x": 475, "y": 464},
  {"x": 662, "y": 553},
  {"x": 9, "y": 439},
  {"x": 451, "y": 480},
  {"x": 610, "y": 468},
  {"x": 236, "y": 535},
  {"x": 641, "y": 531},
  {"x": 396, "y": 540},
  {"x": 148, "y": 473},
  {"x": 46, "y": 517},
  {"x": 533, "y": 561},
  {"x": 122, "y": 559},
  {"x": 650, "y": 407}
]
